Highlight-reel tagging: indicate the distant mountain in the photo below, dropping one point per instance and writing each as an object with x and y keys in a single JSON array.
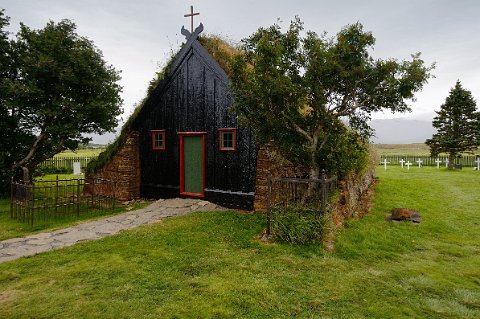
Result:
[
  {"x": 401, "y": 131},
  {"x": 390, "y": 131},
  {"x": 104, "y": 139}
]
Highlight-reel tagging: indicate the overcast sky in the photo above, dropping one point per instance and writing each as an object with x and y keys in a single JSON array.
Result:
[{"x": 137, "y": 37}]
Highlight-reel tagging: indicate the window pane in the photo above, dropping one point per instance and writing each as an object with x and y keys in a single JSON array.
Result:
[
  {"x": 158, "y": 141},
  {"x": 227, "y": 138}
]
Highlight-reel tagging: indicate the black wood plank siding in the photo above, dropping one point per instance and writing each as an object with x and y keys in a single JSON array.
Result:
[{"x": 194, "y": 97}]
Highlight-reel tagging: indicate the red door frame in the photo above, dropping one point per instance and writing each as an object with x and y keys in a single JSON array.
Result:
[{"x": 182, "y": 163}]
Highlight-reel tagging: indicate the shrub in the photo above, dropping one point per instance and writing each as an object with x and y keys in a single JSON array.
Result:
[
  {"x": 40, "y": 171},
  {"x": 296, "y": 225}
]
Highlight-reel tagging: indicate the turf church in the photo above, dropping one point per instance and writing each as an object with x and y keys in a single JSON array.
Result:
[{"x": 185, "y": 138}]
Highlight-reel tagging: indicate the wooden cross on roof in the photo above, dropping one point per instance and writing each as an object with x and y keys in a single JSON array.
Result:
[{"x": 191, "y": 15}]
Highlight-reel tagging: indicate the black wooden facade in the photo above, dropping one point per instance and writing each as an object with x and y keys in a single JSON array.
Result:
[{"x": 193, "y": 97}]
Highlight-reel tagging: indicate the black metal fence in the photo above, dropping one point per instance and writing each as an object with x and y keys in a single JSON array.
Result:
[
  {"x": 60, "y": 198},
  {"x": 65, "y": 163},
  {"x": 466, "y": 160},
  {"x": 308, "y": 194}
]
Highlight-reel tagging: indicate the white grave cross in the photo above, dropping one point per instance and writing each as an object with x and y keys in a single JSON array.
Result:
[
  {"x": 438, "y": 161},
  {"x": 419, "y": 161},
  {"x": 408, "y": 164},
  {"x": 402, "y": 161},
  {"x": 446, "y": 162},
  {"x": 478, "y": 164},
  {"x": 385, "y": 163}
]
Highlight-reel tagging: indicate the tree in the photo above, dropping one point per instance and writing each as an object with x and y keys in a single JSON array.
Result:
[
  {"x": 63, "y": 89},
  {"x": 298, "y": 90},
  {"x": 4, "y": 72},
  {"x": 457, "y": 124},
  {"x": 5, "y": 53},
  {"x": 8, "y": 134}
]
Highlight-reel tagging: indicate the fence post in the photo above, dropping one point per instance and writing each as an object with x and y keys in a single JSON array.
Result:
[
  {"x": 269, "y": 195},
  {"x": 56, "y": 196},
  {"x": 323, "y": 185},
  {"x": 78, "y": 197},
  {"x": 114, "y": 191},
  {"x": 11, "y": 197},
  {"x": 32, "y": 187},
  {"x": 93, "y": 189}
]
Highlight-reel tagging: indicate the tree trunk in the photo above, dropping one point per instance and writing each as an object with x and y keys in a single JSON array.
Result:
[
  {"x": 26, "y": 174},
  {"x": 24, "y": 163},
  {"x": 451, "y": 161},
  {"x": 312, "y": 186},
  {"x": 315, "y": 172}
]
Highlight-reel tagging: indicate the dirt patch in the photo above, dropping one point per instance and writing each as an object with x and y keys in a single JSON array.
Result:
[{"x": 8, "y": 296}]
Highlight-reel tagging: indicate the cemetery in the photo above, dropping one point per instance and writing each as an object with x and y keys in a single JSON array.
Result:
[
  {"x": 466, "y": 161},
  {"x": 244, "y": 184},
  {"x": 64, "y": 165}
]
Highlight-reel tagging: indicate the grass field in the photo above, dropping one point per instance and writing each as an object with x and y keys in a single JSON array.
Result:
[
  {"x": 211, "y": 265},
  {"x": 401, "y": 149},
  {"x": 81, "y": 153},
  {"x": 405, "y": 149}
]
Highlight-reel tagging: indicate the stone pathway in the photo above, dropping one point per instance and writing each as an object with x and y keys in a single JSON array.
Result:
[{"x": 11, "y": 249}]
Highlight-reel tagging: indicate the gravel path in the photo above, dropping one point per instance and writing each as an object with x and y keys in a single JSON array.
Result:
[{"x": 14, "y": 248}]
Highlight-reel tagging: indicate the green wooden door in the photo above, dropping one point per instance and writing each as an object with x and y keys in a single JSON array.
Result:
[{"x": 193, "y": 164}]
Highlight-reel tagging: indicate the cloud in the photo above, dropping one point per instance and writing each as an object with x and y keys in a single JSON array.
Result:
[{"x": 136, "y": 36}]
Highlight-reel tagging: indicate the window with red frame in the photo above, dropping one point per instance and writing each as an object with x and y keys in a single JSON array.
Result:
[
  {"x": 158, "y": 140},
  {"x": 228, "y": 139}
]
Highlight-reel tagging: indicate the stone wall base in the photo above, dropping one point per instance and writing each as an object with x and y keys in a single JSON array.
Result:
[
  {"x": 354, "y": 200},
  {"x": 124, "y": 168}
]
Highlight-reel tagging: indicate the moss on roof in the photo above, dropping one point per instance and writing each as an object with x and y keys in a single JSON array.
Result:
[{"x": 221, "y": 51}]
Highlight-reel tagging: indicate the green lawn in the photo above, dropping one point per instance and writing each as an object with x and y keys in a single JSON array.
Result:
[
  {"x": 211, "y": 265},
  {"x": 81, "y": 153}
]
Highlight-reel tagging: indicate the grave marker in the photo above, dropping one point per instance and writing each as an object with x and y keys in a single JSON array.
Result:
[
  {"x": 438, "y": 161},
  {"x": 76, "y": 168},
  {"x": 478, "y": 164},
  {"x": 408, "y": 165},
  {"x": 446, "y": 162},
  {"x": 385, "y": 163},
  {"x": 419, "y": 161},
  {"x": 402, "y": 161}
]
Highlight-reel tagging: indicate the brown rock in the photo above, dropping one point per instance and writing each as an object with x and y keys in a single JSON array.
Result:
[{"x": 400, "y": 214}]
